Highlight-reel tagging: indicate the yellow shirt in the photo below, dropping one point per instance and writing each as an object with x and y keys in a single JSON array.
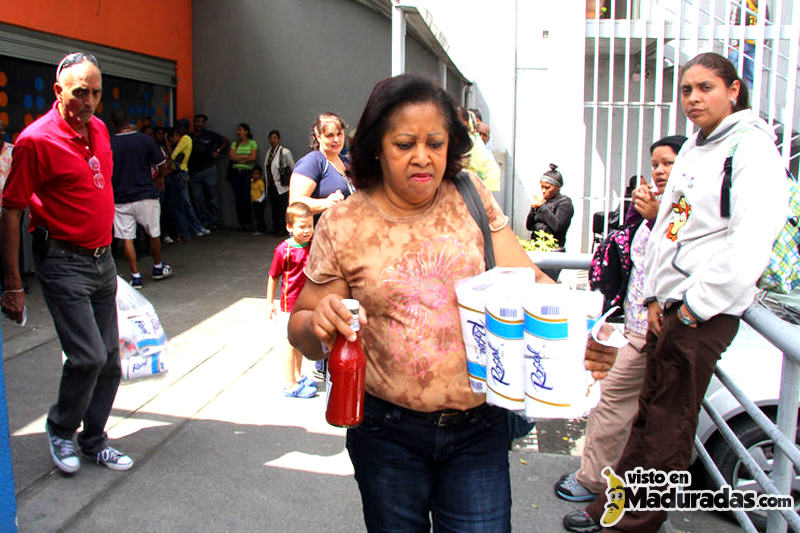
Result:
[
  {"x": 256, "y": 190},
  {"x": 184, "y": 147}
]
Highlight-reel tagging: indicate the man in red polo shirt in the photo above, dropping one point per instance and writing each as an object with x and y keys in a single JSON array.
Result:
[{"x": 62, "y": 170}]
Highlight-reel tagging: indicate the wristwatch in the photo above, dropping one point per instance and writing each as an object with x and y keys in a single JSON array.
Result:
[{"x": 685, "y": 320}]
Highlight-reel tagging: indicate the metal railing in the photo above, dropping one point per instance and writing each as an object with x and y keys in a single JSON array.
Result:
[{"x": 783, "y": 336}]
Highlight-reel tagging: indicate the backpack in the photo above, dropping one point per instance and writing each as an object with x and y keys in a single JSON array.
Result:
[
  {"x": 611, "y": 267},
  {"x": 782, "y": 274}
]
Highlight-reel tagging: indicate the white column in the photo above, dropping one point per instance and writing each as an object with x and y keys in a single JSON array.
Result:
[
  {"x": 443, "y": 73},
  {"x": 398, "y": 39}
]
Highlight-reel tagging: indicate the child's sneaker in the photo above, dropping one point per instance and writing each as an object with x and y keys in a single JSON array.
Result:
[
  {"x": 308, "y": 382},
  {"x": 137, "y": 282},
  {"x": 162, "y": 272},
  {"x": 300, "y": 391}
]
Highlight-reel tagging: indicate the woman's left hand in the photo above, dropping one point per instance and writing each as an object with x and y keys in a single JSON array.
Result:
[{"x": 599, "y": 358}]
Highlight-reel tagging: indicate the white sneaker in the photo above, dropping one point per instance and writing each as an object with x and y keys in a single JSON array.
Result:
[
  {"x": 63, "y": 453},
  {"x": 112, "y": 458}
]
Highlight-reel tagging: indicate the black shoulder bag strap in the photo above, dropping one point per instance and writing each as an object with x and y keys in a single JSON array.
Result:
[{"x": 478, "y": 212}]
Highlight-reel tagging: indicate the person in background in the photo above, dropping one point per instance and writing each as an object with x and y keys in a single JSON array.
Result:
[
  {"x": 258, "y": 199},
  {"x": 243, "y": 156},
  {"x": 702, "y": 268},
  {"x": 63, "y": 159},
  {"x": 428, "y": 448},
  {"x": 135, "y": 193},
  {"x": 207, "y": 146},
  {"x": 609, "y": 423},
  {"x": 179, "y": 145},
  {"x": 320, "y": 177},
  {"x": 479, "y": 159},
  {"x": 277, "y": 158},
  {"x": 286, "y": 271},
  {"x": 5, "y": 159},
  {"x": 551, "y": 213}
]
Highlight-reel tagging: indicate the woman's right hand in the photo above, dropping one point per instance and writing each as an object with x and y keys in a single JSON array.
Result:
[
  {"x": 334, "y": 198},
  {"x": 331, "y": 318},
  {"x": 644, "y": 201},
  {"x": 655, "y": 317}
]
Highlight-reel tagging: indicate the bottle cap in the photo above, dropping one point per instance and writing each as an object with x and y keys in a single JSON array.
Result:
[{"x": 351, "y": 304}]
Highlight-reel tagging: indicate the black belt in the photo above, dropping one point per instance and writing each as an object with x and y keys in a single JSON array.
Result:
[
  {"x": 69, "y": 247},
  {"x": 443, "y": 418}
]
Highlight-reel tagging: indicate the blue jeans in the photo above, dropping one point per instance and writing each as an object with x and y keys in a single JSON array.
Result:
[
  {"x": 409, "y": 469},
  {"x": 204, "y": 195},
  {"x": 180, "y": 207},
  {"x": 80, "y": 293}
]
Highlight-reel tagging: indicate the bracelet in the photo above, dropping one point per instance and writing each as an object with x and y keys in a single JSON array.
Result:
[
  {"x": 685, "y": 320},
  {"x": 14, "y": 290}
]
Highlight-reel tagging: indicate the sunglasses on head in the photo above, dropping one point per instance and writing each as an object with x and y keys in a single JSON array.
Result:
[{"x": 75, "y": 58}]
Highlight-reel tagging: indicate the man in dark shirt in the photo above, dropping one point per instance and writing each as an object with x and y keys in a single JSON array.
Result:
[
  {"x": 135, "y": 193},
  {"x": 207, "y": 145}
]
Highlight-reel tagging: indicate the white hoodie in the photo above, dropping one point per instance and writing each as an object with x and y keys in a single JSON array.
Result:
[{"x": 696, "y": 256}]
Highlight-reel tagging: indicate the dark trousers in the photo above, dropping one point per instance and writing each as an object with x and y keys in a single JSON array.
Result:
[
  {"x": 241, "y": 192},
  {"x": 410, "y": 470},
  {"x": 258, "y": 215},
  {"x": 80, "y": 293},
  {"x": 680, "y": 363},
  {"x": 277, "y": 205}
]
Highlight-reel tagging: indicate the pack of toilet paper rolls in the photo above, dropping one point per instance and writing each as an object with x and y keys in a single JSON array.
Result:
[{"x": 525, "y": 342}]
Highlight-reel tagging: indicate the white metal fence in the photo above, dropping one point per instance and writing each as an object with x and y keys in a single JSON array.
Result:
[{"x": 633, "y": 51}]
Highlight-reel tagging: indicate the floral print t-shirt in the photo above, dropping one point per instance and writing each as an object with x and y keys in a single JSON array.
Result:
[
  {"x": 635, "y": 310},
  {"x": 403, "y": 270}
]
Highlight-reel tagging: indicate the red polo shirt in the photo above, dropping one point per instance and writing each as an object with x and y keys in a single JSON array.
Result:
[{"x": 65, "y": 179}]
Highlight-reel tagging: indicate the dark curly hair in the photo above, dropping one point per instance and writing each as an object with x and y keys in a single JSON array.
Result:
[{"x": 387, "y": 96}]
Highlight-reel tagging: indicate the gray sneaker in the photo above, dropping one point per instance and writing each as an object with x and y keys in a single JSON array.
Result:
[
  {"x": 569, "y": 488},
  {"x": 63, "y": 453},
  {"x": 112, "y": 458}
]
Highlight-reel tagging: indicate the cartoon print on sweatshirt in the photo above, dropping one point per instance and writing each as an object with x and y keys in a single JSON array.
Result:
[{"x": 681, "y": 211}]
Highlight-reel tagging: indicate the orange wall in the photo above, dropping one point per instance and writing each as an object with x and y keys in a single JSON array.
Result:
[{"x": 161, "y": 28}]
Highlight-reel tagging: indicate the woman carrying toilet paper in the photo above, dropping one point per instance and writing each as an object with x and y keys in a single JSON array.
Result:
[
  {"x": 428, "y": 444},
  {"x": 703, "y": 261}
]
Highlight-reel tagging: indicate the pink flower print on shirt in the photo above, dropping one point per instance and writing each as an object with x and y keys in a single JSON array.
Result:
[{"x": 419, "y": 285}]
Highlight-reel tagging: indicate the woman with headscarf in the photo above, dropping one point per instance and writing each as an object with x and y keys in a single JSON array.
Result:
[{"x": 551, "y": 213}]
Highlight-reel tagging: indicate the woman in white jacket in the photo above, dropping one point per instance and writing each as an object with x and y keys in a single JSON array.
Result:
[{"x": 702, "y": 271}]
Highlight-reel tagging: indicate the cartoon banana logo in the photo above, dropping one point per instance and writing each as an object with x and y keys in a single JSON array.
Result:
[{"x": 615, "y": 506}]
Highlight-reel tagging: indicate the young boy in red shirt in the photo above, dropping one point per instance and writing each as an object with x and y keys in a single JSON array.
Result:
[{"x": 288, "y": 262}]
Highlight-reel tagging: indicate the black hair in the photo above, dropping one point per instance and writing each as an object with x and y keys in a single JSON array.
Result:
[
  {"x": 673, "y": 141},
  {"x": 386, "y": 97},
  {"x": 723, "y": 68},
  {"x": 246, "y": 127},
  {"x": 276, "y": 132},
  {"x": 257, "y": 168},
  {"x": 477, "y": 113},
  {"x": 201, "y": 115},
  {"x": 120, "y": 118},
  {"x": 316, "y": 128}
]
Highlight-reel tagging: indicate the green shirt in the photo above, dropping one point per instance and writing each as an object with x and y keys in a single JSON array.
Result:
[{"x": 245, "y": 148}]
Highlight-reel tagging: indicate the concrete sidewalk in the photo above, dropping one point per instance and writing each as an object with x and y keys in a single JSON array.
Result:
[{"x": 217, "y": 446}]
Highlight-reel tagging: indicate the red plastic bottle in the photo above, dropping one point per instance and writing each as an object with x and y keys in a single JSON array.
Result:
[{"x": 347, "y": 367}]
